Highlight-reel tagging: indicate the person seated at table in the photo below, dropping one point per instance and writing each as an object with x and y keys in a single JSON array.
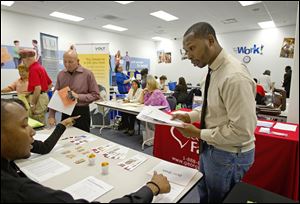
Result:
[
  {"x": 17, "y": 142},
  {"x": 38, "y": 147},
  {"x": 20, "y": 85},
  {"x": 152, "y": 96},
  {"x": 133, "y": 97},
  {"x": 123, "y": 80},
  {"x": 260, "y": 94},
  {"x": 162, "y": 84},
  {"x": 180, "y": 92}
]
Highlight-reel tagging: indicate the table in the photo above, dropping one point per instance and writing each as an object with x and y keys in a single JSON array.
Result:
[
  {"x": 117, "y": 177},
  {"x": 242, "y": 192},
  {"x": 276, "y": 165},
  {"x": 130, "y": 108}
]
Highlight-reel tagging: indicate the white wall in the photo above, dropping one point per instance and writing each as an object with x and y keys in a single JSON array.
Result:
[
  {"x": 293, "y": 112},
  {"x": 25, "y": 28},
  {"x": 272, "y": 40}
]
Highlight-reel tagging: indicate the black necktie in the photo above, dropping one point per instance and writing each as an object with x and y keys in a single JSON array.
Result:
[{"x": 204, "y": 107}]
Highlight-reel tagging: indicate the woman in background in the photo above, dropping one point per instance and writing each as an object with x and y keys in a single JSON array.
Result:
[
  {"x": 133, "y": 97},
  {"x": 180, "y": 92}
]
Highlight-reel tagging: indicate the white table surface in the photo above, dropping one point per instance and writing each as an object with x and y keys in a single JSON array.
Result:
[{"x": 123, "y": 181}]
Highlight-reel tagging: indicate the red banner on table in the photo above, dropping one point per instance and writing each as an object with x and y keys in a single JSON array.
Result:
[{"x": 171, "y": 145}]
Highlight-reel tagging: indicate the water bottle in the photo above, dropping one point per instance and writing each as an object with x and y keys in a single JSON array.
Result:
[{"x": 114, "y": 97}]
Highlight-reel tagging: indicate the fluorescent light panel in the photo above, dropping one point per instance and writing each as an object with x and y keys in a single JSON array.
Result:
[
  {"x": 164, "y": 15},
  {"x": 124, "y": 2},
  {"x": 267, "y": 24},
  {"x": 7, "y": 3},
  {"x": 113, "y": 27},
  {"x": 66, "y": 16},
  {"x": 159, "y": 38},
  {"x": 248, "y": 3}
]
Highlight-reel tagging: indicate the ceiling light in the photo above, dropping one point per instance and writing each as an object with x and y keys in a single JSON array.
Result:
[
  {"x": 113, "y": 27},
  {"x": 248, "y": 3},
  {"x": 164, "y": 15},
  {"x": 7, "y": 3},
  {"x": 124, "y": 2},
  {"x": 267, "y": 24},
  {"x": 159, "y": 38},
  {"x": 66, "y": 16}
]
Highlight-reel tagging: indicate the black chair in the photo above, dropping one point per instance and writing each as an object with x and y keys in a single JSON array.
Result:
[
  {"x": 190, "y": 97},
  {"x": 172, "y": 102}
]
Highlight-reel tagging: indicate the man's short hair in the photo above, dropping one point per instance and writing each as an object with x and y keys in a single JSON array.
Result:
[
  {"x": 35, "y": 41},
  {"x": 16, "y": 41},
  {"x": 267, "y": 72},
  {"x": 163, "y": 77},
  {"x": 4, "y": 103},
  {"x": 201, "y": 30},
  {"x": 144, "y": 71},
  {"x": 288, "y": 68}
]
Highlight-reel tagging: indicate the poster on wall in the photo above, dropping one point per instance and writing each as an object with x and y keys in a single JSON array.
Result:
[
  {"x": 164, "y": 57},
  {"x": 287, "y": 49}
]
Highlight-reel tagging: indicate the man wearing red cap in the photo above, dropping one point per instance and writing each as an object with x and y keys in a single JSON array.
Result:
[{"x": 38, "y": 85}]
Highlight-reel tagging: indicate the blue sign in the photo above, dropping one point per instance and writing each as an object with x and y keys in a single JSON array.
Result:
[{"x": 249, "y": 50}]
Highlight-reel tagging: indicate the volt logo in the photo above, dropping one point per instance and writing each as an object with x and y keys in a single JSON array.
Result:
[
  {"x": 252, "y": 50},
  {"x": 100, "y": 48}
]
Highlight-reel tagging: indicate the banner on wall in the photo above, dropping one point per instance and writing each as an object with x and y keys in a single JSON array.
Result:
[
  {"x": 136, "y": 63},
  {"x": 95, "y": 57},
  {"x": 164, "y": 57}
]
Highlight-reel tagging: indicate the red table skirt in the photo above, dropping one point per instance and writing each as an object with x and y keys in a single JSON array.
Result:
[{"x": 276, "y": 165}]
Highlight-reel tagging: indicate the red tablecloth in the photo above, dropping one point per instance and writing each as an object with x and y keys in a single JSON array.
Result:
[{"x": 276, "y": 165}]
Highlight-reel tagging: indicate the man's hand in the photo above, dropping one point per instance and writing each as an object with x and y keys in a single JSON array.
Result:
[
  {"x": 51, "y": 121},
  {"x": 189, "y": 131},
  {"x": 161, "y": 181},
  {"x": 183, "y": 117},
  {"x": 75, "y": 95},
  {"x": 69, "y": 121},
  {"x": 33, "y": 108}
]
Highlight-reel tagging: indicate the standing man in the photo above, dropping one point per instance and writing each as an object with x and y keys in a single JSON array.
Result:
[
  {"x": 84, "y": 88},
  {"x": 287, "y": 80},
  {"x": 36, "y": 48},
  {"x": 16, "y": 56},
  {"x": 127, "y": 60},
  {"x": 38, "y": 85},
  {"x": 228, "y": 117}
]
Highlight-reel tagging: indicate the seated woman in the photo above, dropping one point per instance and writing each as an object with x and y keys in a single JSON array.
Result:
[
  {"x": 123, "y": 80},
  {"x": 162, "y": 84},
  {"x": 180, "y": 92},
  {"x": 133, "y": 97},
  {"x": 151, "y": 95}
]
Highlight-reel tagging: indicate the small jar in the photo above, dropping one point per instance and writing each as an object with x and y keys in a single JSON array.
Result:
[
  {"x": 104, "y": 166},
  {"x": 92, "y": 159}
]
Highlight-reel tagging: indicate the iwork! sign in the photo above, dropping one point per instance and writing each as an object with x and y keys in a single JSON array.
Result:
[{"x": 255, "y": 50}]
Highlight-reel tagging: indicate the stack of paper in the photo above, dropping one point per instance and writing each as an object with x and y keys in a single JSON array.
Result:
[
  {"x": 89, "y": 189},
  {"x": 153, "y": 115},
  {"x": 287, "y": 127},
  {"x": 132, "y": 163}
]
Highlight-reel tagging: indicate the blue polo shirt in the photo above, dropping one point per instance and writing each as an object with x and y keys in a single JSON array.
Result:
[{"x": 120, "y": 78}]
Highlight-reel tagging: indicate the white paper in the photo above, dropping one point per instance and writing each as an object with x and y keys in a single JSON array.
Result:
[
  {"x": 264, "y": 124},
  {"x": 169, "y": 197},
  {"x": 117, "y": 152},
  {"x": 44, "y": 170},
  {"x": 133, "y": 162},
  {"x": 175, "y": 173},
  {"x": 265, "y": 130},
  {"x": 283, "y": 126},
  {"x": 89, "y": 189},
  {"x": 57, "y": 104},
  {"x": 154, "y": 115}
]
